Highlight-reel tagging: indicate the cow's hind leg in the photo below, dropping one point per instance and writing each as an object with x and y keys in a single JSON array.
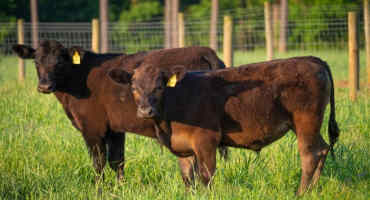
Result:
[
  {"x": 116, "y": 152},
  {"x": 187, "y": 166},
  {"x": 312, "y": 149},
  {"x": 323, "y": 153}
]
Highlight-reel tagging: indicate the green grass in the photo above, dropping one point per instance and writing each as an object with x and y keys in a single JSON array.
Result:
[{"x": 43, "y": 157}]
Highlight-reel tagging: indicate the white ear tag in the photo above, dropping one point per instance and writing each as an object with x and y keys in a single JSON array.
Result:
[{"x": 172, "y": 81}]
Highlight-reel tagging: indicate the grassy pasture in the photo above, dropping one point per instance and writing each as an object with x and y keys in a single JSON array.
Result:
[{"x": 43, "y": 157}]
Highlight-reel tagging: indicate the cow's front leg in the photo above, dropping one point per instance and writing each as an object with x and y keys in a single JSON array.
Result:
[
  {"x": 187, "y": 166},
  {"x": 205, "y": 147},
  {"x": 116, "y": 152},
  {"x": 97, "y": 150}
]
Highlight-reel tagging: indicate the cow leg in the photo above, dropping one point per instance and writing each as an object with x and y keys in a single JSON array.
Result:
[
  {"x": 97, "y": 150},
  {"x": 187, "y": 166},
  {"x": 206, "y": 165},
  {"x": 116, "y": 152},
  {"x": 312, "y": 149},
  {"x": 224, "y": 152},
  {"x": 323, "y": 153},
  {"x": 205, "y": 152}
]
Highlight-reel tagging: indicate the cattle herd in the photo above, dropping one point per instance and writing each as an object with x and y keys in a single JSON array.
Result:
[{"x": 189, "y": 102}]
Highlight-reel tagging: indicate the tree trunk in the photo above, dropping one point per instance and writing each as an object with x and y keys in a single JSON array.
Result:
[
  {"x": 175, "y": 27},
  {"x": 367, "y": 36},
  {"x": 283, "y": 25},
  {"x": 275, "y": 22},
  {"x": 214, "y": 20},
  {"x": 104, "y": 25},
  {"x": 35, "y": 22},
  {"x": 167, "y": 24}
]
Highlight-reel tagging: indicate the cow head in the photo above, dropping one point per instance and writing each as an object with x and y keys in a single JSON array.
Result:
[
  {"x": 53, "y": 62},
  {"x": 148, "y": 84}
]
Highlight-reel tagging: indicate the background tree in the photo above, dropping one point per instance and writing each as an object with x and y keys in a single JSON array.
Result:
[
  {"x": 214, "y": 22},
  {"x": 167, "y": 24},
  {"x": 283, "y": 25},
  {"x": 35, "y": 21},
  {"x": 103, "y": 12}
]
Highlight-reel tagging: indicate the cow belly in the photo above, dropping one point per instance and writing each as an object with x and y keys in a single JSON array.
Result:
[
  {"x": 182, "y": 138},
  {"x": 260, "y": 122},
  {"x": 181, "y": 143},
  {"x": 255, "y": 138}
]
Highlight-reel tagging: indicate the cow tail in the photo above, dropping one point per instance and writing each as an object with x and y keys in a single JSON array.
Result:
[{"x": 333, "y": 130}]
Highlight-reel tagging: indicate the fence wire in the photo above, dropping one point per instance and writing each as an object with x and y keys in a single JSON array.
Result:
[{"x": 315, "y": 32}]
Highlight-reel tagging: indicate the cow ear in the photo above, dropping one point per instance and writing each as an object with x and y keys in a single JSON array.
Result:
[
  {"x": 176, "y": 74},
  {"x": 23, "y": 51},
  {"x": 120, "y": 76},
  {"x": 76, "y": 54}
]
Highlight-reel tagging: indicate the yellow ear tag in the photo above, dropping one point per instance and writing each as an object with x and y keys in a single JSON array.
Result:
[
  {"x": 76, "y": 59},
  {"x": 172, "y": 81}
]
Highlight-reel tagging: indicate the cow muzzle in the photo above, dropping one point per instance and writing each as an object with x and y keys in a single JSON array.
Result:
[
  {"x": 147, "y": 112},
  {"x": 46, "y": 88}
]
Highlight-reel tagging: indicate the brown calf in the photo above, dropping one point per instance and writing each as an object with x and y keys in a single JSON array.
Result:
[
  {"x": 247, "y": 107},
  {"x": 90, "y": 99}
]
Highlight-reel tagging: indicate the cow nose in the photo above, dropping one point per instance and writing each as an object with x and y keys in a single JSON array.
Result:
[
  {"x": 147, "y": 112},
  {"x": 45, "y": 88}
]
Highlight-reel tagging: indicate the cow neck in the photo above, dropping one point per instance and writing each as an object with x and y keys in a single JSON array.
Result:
[{"x": 75, "y": 83}]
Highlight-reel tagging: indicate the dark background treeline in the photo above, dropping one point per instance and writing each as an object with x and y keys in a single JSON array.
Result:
[{"x": 149, "y": 10}]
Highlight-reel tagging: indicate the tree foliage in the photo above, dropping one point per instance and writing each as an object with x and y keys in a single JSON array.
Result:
[
  {"x": 142, "y": 11},
  {"x": 137, "y": 10}
]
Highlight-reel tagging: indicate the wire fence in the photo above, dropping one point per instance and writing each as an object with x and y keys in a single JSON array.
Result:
[{"x": 316, "y": 32}]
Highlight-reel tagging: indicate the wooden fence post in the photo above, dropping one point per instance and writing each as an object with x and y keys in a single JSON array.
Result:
[
  {"x": 353, "y": 55},
  {"x": 367, "y": 36},
  {"x": 228, "y": 41},
  {"x": 268, "y": 32},
  {"x": 21, "y": 65},
  {"x": 95, "y": 36},
  {"x": 181, "y": 30}
]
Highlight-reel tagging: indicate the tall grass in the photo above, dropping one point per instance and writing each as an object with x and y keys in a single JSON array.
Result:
[{"x": 43, "y": 157}]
